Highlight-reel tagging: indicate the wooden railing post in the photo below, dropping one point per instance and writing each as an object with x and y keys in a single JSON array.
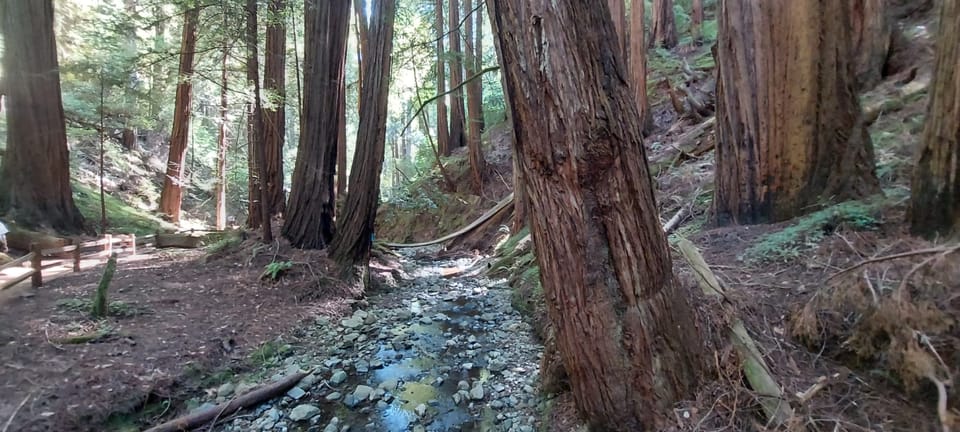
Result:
[
  {"x": 76, "y": 254},
  {"x": 37, "y": 264},
  {"x": 108, "y": 248},
  {"x": 133, "y": 244}
]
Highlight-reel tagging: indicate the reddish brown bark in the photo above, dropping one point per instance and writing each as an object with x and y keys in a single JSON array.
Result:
[
  {"x": 696, "y": 21},
  {"x": 638, "y": 66},
  {"x": 624, "y": 326},
  {"x": 790, "y": 132},
  {"x": 457, "y": 137},
  {"x": 342, "y": 142},
  {"x": 935, "y": 199},
  {"x": 274, "y": 113},
  {"x": 443, "y": 125},
  {"x": 351, "y": 245},
  {"x": 664, "y": 25},
  {"x": 872, "y": 33},
  {"x": 35, "y": 176},
  {"x": 619, "y": 15},
  {"x": 474, "y": 104},
  {"x": 171, "y": 196},
  {"x": 309, "y": 221}
]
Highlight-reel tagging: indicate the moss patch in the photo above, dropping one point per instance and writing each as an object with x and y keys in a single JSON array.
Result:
[{"x": 121, "y": 218}]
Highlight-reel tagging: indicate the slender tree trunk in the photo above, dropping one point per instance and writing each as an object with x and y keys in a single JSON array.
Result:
[
  {"x": 274, "y": 113},
  {"x": 664, "y": 25},
  {"x": 157, "y": 72},
  {"x": 935, "y": 202},
  {"x": 624, "y": 326},
  {"x": 171, "y": 197},
  {"x": 220, "y": 190},
  {"x": 443, "y": 126},
  {"x": 790, "y": 132},
  {"x": 351, "y": 245},
  {"x": 638, "y": 65},
  {"x": 478, "y": 56},
  {"x": 457, "y": 133},
  {"x": 254, "y": 120},
  {"x": 696, "y": 21},
  {"x": 474, "y": 106},
  {"x": 619, "y": 16},
  {"x": 872, "y": 37},
  {"x": 342, "y": 141},
  {"x": 310, "y": 213},
  {"x": 258, "y": 136}
]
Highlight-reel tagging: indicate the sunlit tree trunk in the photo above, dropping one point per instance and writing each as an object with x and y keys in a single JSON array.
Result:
[
  {"x": 274, "y": 113},
  {"x": 257, "y": 135},
  {"x": 457, "y": 134},
  {"x": 342, "y": 140},
  {"x": 790, "y": 131},
  {"x": 254, "y": 119},
  {"x": 35, "y": 176},
  {"x": 220, "y": 189},
  {"x": 872, "y": 36},
  {"x": 309, "y": 221},
  {"x": 171, "y": 196},
  {"x": 443, "y": 125},
  {"x": 935, "y": 199},
  {"x": 638, "y": 65},
  {"x": 474, "y": 104},
  {"x": 478, "y": 57},
  {"x": 624, "y": 326},
  {"x": 696, "y": 21},
  {"x": 351, "y": 245},
  {"x": 664, "y": 24}
]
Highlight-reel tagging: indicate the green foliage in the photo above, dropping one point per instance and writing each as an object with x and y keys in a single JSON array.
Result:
[
  {"x": 122, "y": 218},
  {"x": 275, "y": 269},
  {"x": 118, "y": 309},
  {"x": 225, "y": 243},
  {"x": 799, "y": 238}
]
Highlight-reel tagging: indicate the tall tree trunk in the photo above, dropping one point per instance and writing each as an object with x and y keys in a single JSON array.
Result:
[
  {"x": 257, "y": 136},
  {"x": 474, "y": 105},
  {"x": 638, "y": 65},
  {"x": 478, "y": 57},
  {"x": 664, "y": 25},
  {"x": 128, "y": 137},
  {"x": 309, "y": 221},
  {"x": 872, "y": 38},
  {"x": 443, "y": 125},
  {"x": 220, "y": 189},
  {"x": 274, "y": 113},
  {"x": 696, "y": 21},
  {"x": 457, "y": 134},
  {"x": 254, "y": 119},
  {"x": 342, "y": 141},
  {"x": 157, "y": 72},
  {"x": 171, "y": 196},
  {"x": 618, "y": 14},
  {"x": 35, "y": 176},
  {"x": 935, "y": 201},
  {"x": 624, "y": 326},
  {"x": 790, "y": 131},
  {"x": 351, "y": 245}
]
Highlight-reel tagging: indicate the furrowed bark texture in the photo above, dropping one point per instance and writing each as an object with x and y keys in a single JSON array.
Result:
[{"x": 274, "y": 113}]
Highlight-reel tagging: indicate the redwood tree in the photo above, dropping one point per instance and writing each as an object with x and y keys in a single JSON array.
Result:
[
  {"x": 624, "y": 326},
  {"x": 172, "y": 194},
  {"x": 664, "y": 24},
  {"x": 618, "y": 13},
  {"x": 457, "y": 137},
  {"x": 35, "y": 176},
  {"x": 220, "y": 188},
  {"x": 443, "y": 126},
  {"x": 274, "y": 115},
  {"x": 309, "y": 221},
  {"x": 696, "y": 20},
  {"x": 351, "y": 245},
  {"x": 474, "y": 100},
  {"x": 872, "y": 33},
  {"x": 638, "y": 65},
  {"x": 935, "y": 200},
  {"x": 790, "y": 132},
  {"x": 254, "y": 118}
]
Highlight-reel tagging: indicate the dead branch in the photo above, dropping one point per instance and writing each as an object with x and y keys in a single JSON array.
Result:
[
  {"x": 822, "y": 382},
  {"x": 254, "y": 397},
  {"x": 940, "y": 249},
  {"x": 674, "y": 222},
  {"x": 6, "y": 426}
]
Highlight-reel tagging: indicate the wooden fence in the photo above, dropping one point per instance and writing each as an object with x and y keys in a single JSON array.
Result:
[{"x": 74, "y": 251}]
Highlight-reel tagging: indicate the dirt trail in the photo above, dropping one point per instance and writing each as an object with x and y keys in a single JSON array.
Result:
[{"x": 433, "y": 354}]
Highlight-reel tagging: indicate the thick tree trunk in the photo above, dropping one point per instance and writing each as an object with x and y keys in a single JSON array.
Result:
[
  {"x": 872, "y": 37},
  {"x": 443, "y": 125},
  {"x": 696, "y": 21},
  {"x": 257, "y": 135},
  {"x": 624, "y": 325},
  {"x": 351, "y": 245},
  {"x": 274, "y": 113},
  {"x": 254, "y": 119},
  {"x": 618, "y": 12},
  {"x": 790, "y": 132},
  {"x": 220, "y": 189},
  {"x": 35, "y": 176},
  {"x": 638, "y": 66},
  {"x": 309, "y": 221},
  {"x": 935, "y": 201},
  {"x": 474, "y": 105},
  {"x": 457, "y": 134},
  {"x": 128, "y": 139},
  {"x": 172, "y": 194},
  {"x": 664, "y": 25}
]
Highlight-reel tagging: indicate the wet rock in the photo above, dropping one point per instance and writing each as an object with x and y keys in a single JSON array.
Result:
[
  {"x": 467, "y": 366},
  {"x": 333, "y": 426},
  {"x": 476, "y": 393},
  {"x": 361, "y": 366},
  {"x": 303, "y": 412},
  {"x": 420, "y": 410},
  {"x": 351, "y": 401},
  {"x": 426, "y": 321},
  {"x": 308, "y": 381},
  {"x": 338, "y": 377},
  {"x": 296, "y": 393},
  {"x": 335, "y": 396},
  {"x": 457, "y": 398}
]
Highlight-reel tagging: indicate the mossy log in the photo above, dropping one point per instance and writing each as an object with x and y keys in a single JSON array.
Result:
[{"x": 100, "y": 306}]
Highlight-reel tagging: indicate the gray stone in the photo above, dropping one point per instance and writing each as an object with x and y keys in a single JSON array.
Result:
[
  {"x": 331, "y": 362},
  {"x": 496, "y": 366},
  {"x": 426, "y": 321},
  {"x": 419, "y": 428},
  {"x": 362, "y": 366},
  {"x": 308, "y": 381},
  {"x": 351, "y": 401},
  {"x": 362, "y": 392},
  {"x": 497, "y": 404},
  {"x": 333, "y": 426},
  {"x": 304, "y": 412},
  {"x": 351, "y": 337},
  {"x": 421, "y": 410},
  {"x": 338, "y": 377},
  {"x": 467, "y": 366},
  {"x": 376, "y": 364},
  {"x": 352, "y": 322},
  {"x": 296, "y": 393},
  {"x": 457, "y": 398},
  {"x": 476, "y": 393},
  {"x": 226, "y": 389},
  {"x": 463, "y": 385},
  {"x": 335, "y": 396}
]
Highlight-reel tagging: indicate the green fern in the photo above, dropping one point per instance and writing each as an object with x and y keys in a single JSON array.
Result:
[{"x": 275, "y": 269}]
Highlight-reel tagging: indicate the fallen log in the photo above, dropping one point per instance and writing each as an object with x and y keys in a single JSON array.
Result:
[
  {"x": 473, "y": 225},
  {"x": 21, "y": 239},
  {"x": 186, "y": 241},
  {"x": 251, "y": 398}
]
